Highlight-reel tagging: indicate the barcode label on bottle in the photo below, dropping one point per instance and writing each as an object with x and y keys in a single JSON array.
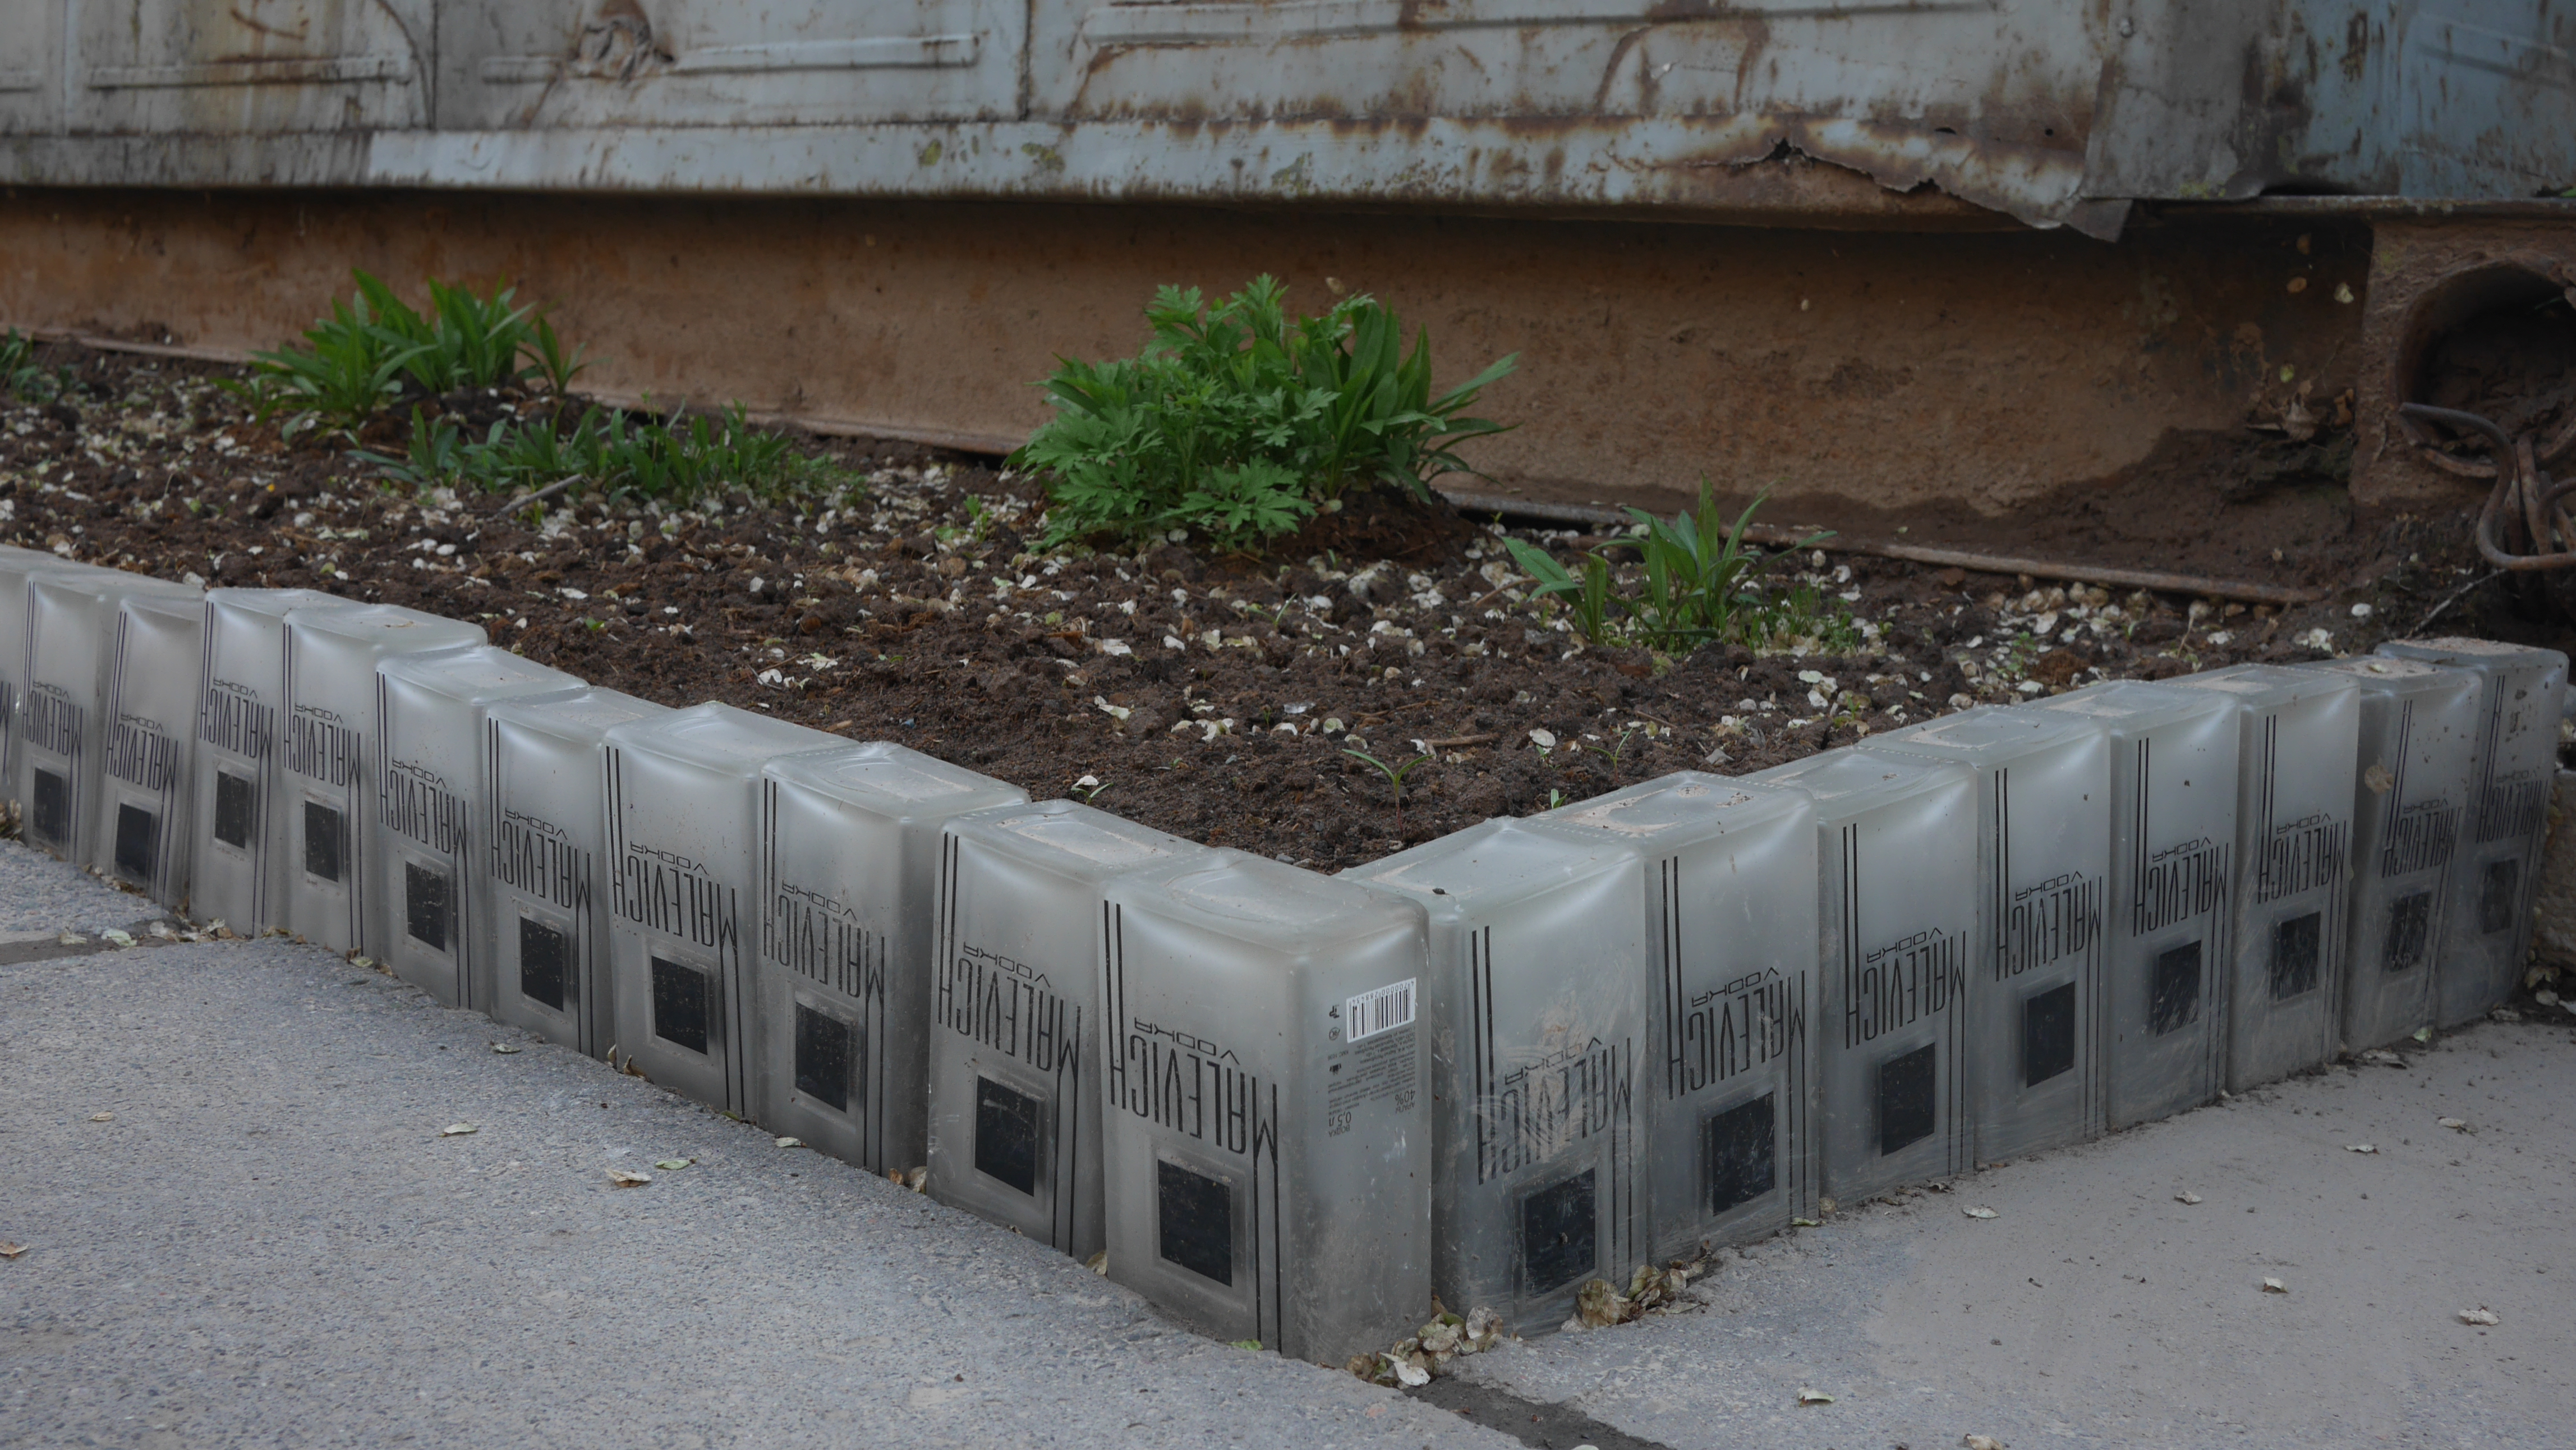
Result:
[{"x": 1383, "y": 1010}]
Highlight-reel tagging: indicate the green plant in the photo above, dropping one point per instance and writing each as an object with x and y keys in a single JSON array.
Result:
[
  {"x": 355, "y": 361},
  {"x": 1697, "y": 581},
  {"x": 612, "y": 451},
  {"x": 21, "y": 378},
  {"x": 548, "y": 359},
  {"x": 348, "y": 368},
  {"x": 1394, "y": 774},
  {"x": 464, "y": 341},
  {"x": 1237, "y": 423}
]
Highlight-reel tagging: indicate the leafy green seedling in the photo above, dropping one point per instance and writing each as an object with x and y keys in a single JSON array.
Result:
[
  {"x": 1089, "y": 788},
  {"x": 1395, "y": 776}
]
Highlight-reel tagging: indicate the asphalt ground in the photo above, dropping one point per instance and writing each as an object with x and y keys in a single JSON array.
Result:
[{"x": 268, "y": 1240}]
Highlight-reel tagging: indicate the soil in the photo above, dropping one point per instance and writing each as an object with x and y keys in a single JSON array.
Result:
[{"x": 1218, "y": 698}]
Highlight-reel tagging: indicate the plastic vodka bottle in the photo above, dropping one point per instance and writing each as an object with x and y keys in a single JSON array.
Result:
[
  {"x": 544, "y": 916},
  {"x": 152, "y": 700},
  {"x": 2496, "y": 875},
  {"x": 1540, "y": 985},
  {"x": 2039, "y": 1077},
  {"x": 63, "y": 714},
  {"x": 2172, "y": 882},
  {"x": 1015, "y": 1012},
  {"x": 18, "y": 568},
  {"x": 683, "y": 798},
  {"x": 432, "y": 830},
  {"x": 2419, "y": 760},
  {"x": 1898, "y": 881},
  {"x": 1729, "y": 1066},
  {"x": 1267, "y": 1146},
  {"x": 2298, "y": 733},
  {"x": 236, "y": 851},
  {"x": 328, "y": 762},
  {"x": 849, "y": 895}
]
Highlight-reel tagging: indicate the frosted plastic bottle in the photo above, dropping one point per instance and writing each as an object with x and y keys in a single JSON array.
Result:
[
  {"x": 236, "y": 851},
  {"x": 1729, "y": 1071},
  {"x": 1540, "y": 984},
  {"x": 2039, "y": 1064},
  {"x": 683, "y": 797},
  {"x": 152, "y": 722},
  {"x": 1898, "y": 877},
  {"x": 2298, "y": 735},
  {"x": 544, "y": 918},
  {"x": 328, "y": 763},
  {"x": 431, "y": 831},
  {"x": 1267, "y": 1146},
  {"x": 1015, "y": 1013},
  {"x": 2419, "y": 760},
  {"x": 63, "y": 714},
  {"x": 849, "y": 892},
  {"x": 18, "y": 568},
  {"x": 2498, "y": 869},
  {"x": 2172, "y": 883}
]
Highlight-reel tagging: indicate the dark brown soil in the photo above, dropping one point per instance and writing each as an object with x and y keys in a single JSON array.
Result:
[{"x": 1216, "y": 698}]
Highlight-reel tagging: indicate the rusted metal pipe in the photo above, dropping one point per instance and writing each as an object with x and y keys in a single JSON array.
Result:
[{"x": 2522, "y": 495}]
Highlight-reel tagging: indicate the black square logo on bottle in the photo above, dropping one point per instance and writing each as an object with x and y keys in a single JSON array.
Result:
[
  {"x": 1008, "y": 1126},
  {"x": 2296, "y": 945},
  {"x": 2410, "y": 930},
  {"x": 236, "y": 810},
  {"x": 2173, "y": 995},
  {"x": 544, "y": 953},
  {"x": 2047, "y": 1034},
  {"x": 138, "y": 842},
  {"x": 49, "y": 808},
  {"x": 825, "y": 1048},
  {"x": 323, "y": 842},
  {"x": 1739, "y": 1147},
  {"x": 425, "y": 905},
  {"x": 1908, "y": 1099},
  {"x": 682, "y": 997},
  {"x": 2498, "y": 893},
  {"x": 1194, "y": 1221},
  {"x": 1557, "y": 1235}
]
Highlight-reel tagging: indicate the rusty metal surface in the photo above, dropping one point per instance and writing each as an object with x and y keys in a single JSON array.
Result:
[
  {"x": 1972, "y": 370},
  {"x": 2046, "y": 112}
]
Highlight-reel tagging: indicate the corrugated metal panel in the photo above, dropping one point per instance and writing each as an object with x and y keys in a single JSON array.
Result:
[{"x": 2041, "y": 110}]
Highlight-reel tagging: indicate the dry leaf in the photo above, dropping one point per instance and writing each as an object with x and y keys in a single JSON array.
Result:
[
  {"x": 628, "y": 1178},
  {"x": 2186, "y": 1196},
  {"x": 791, "y": 1142},
  {"x": 2479, "y": 1316},
  {"x": 2361, "y": 1147},
  {"x": 2382, "y": 1057},
  {"x": 2456, "y": 1125},
  {"x": 1814, "y": 1397},
  {"x": 918, "y": 1180},
  {"x": 120, "y": 938},
  {"x": 1980, "y": 1442},
  {"x": 102, "y": 1117},
  {"x": 2379, "y": 781},
  {"x": 9, "y": 1250},
  {"x": 1412, "y": 1376},
  {"x": 505, "y": 1048},
  {"x": 1978, "y": 1212},
  {"x": 1098, "y": 1263},
  {"x": 674, "y": 1165},
  {"x": 458, "y": 1130},
  {"x": 71, "y": 939},
  {"x": 2274, "y": 1286}
]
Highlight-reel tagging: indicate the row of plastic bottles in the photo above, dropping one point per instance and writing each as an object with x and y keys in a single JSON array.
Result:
[{"x": 1291, "y": 1107}]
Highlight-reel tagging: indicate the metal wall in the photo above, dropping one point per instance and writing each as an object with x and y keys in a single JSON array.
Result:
[{"x": 2049, "y": 111}]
